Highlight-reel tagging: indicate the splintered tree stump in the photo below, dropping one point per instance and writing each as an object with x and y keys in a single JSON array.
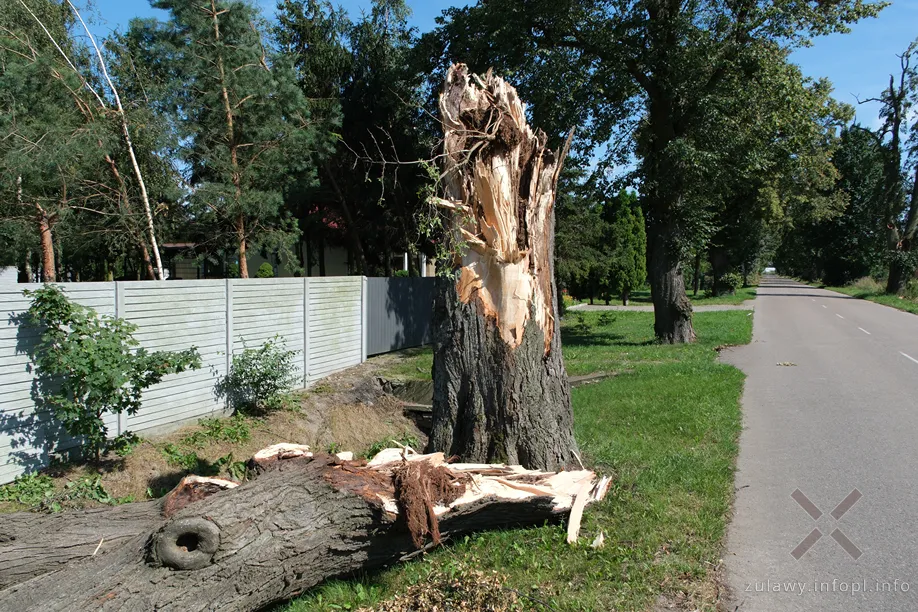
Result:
[
  {"x": 213, "y": 545},
  {"x": 500, "y": 387}
]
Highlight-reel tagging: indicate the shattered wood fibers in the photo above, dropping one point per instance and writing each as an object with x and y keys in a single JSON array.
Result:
[{"x": 420, "y": 486}]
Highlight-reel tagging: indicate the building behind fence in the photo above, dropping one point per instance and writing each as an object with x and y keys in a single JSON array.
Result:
[{"x": 329, "y": 321}]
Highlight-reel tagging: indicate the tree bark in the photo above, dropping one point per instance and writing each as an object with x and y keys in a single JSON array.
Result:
[
  {"x": 213, "y": 545},
  {"x": 902, "y": 268},
  {"x": 626, "y": 295},
  {"x": 500, "y": 388},
  {"x": 352, "y": 230},
  {"x": 672, "y": 309},
  {"x": 240, "y": 236},
  {"x": 47, "y": 248},
  {"x": 696, "y": 281}
]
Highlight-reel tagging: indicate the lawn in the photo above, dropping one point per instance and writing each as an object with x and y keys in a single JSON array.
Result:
[
  {"x": 642, "y": 298},
  {"x": 666, "y": 428},
  {"x": 894, "y": 301}
]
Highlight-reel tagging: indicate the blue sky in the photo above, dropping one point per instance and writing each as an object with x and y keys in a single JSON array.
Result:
[{"x": 858, "y": 64}]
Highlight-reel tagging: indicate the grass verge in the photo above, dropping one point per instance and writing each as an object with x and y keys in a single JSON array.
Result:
[
  {"x": 666, "y": 428},
  {"x": 893, "y": 301},
  {"x": 642, "y": 298}
]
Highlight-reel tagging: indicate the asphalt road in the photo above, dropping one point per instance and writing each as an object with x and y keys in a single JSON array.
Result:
[{"x": 839, "y": 424}]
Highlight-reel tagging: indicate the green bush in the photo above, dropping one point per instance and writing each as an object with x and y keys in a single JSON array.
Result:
[
  {"x": 401, "y": 274},
  {"x": 124, "y": 444},
  {"x": 731, "y": 281},
  {"x": 89, "y": 365},
  {"x": 911, "y": 290},
  {"x": 266, "y": 270},
  {"x": 259, "y": 378}
]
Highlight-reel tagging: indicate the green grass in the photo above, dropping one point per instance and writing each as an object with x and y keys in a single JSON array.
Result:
[
  {"x": 642, "y": 298},
  {"x": 410, "y": 364},
  {"x": 894, "y": 301},
  {"x": 666, "y": 428}
]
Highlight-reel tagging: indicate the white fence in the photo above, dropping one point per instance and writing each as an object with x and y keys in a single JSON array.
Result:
[{"x": 321, "y": 318}]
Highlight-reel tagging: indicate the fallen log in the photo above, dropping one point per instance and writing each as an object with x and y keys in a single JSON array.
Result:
[{"x": 212, "y": 545}]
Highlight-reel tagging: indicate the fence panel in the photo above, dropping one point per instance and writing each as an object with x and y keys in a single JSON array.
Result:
[
  {"x": 173, "y": 316},
  {"x": 335, "y": 325},
  {"x": 265, "y": 308},
  {"x": 398, "y": 313}
]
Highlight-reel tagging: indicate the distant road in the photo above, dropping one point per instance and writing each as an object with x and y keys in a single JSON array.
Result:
[{"x": 827, "y": 486}]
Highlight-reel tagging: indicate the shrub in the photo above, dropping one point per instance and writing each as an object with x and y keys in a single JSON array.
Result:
[
  {"x": 731, "y": 281},
  {"x": 89, "y": 365},
  {"x": 259, "y": 378},
  {"x": 401, "y": 274},
  {"x": 868, "y": 284},
  {"x": 124, "y": 444},
  {"x": 266, "y": 270},
  {"x": 911, "y": 290}
]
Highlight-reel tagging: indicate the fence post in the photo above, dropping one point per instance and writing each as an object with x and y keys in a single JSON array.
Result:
[
  {"x": 229, "y": 329},
  {"x": 363, "y": 319},
  {"x": 305, "y": 331},
  {"x": 119, "y": 313}
]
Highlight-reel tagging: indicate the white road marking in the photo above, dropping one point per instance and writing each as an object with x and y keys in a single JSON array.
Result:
[
  {"x": 908, "y": 356},
  {"x": 824, "y": 306},
  {"x": 864, "y": 330},
  {"x": 839, "y": 316}
]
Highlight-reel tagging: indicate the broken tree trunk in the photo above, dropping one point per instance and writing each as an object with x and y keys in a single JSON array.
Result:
[
  {"x": 500, "y": 389},
  {"x": 215, "y": 545}
]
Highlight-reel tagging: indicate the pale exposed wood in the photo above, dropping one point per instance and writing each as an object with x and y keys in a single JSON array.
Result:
[
  {"x": 505, "y": 268},
  {"x": 580, "y": 502}
]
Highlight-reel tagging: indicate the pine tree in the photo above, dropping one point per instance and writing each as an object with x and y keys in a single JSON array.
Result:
[{"x": 245, "y": 122}]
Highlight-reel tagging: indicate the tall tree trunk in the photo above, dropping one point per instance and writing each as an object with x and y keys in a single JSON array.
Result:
[
  {"x": 353, "y": 232},
  {"x": 240, "y": 236},
  {"x": 902, "y": 268},
  {"x": 321, "y": 256},
  {"x": 47, "y": 249},
  {"x": 672, "y": 309},
  {"x": 232, "y": 144},
  {"x": 626, "y": 296},
  {"x": 500, "y": 388},
  {"x": 696, "y": 281},
  {"x": 147, "y": 262}
]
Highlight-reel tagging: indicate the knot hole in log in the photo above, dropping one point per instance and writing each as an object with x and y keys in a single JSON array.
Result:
[{"x": 187, "y": 544}]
